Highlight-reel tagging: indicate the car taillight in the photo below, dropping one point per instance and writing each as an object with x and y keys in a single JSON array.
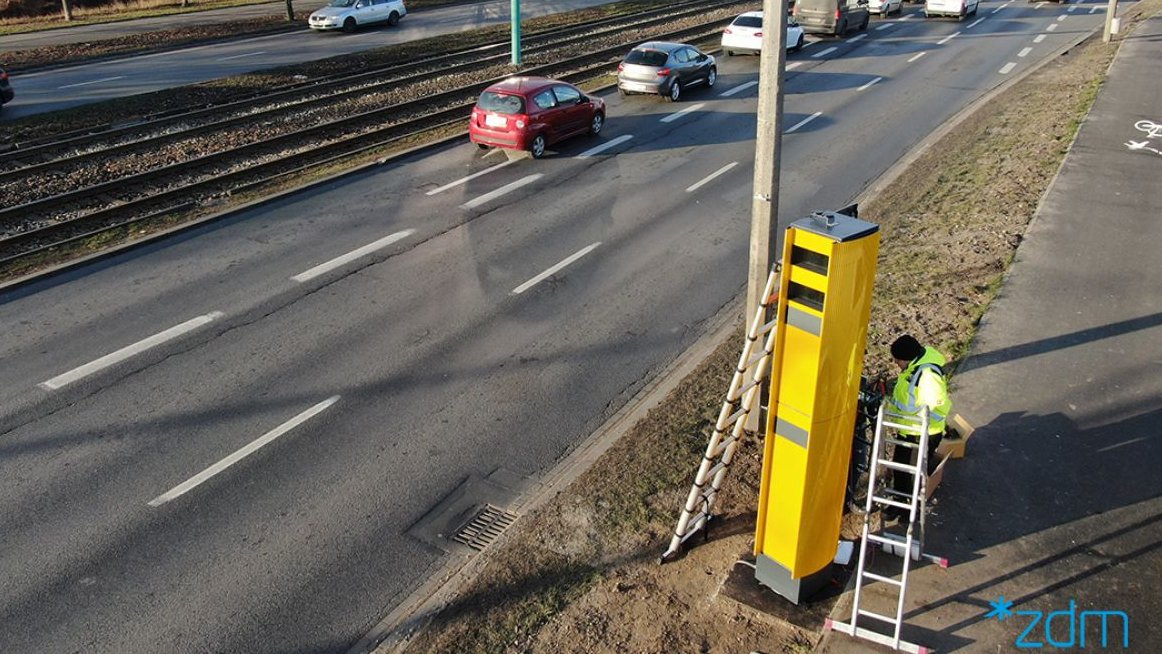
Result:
[
  {"x": 838, "y": 15},
  {"x": 663, "y": 72},
  {"x": 3, "y": 76},
  {"x": 727, "y": 31},
  {"x": 621, "y": 66},
  {"x": 758, "y": 33}
]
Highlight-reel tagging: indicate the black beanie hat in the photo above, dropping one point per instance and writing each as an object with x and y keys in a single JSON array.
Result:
[{"x": 907, "y": 348}]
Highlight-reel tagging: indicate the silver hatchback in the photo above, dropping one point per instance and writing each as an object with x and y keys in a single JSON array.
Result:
[{"x": 664, "y": 68}]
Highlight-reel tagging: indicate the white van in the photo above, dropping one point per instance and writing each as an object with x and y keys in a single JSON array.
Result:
[
  {"x": 957, "y": 8},
  {"x": 349, "y": 15}
]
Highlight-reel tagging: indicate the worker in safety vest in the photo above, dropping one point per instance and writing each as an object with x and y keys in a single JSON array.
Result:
[{"x": 921, "y": 384}]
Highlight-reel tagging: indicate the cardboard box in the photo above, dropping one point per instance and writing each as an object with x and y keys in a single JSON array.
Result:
[{"x": 956, "y": 436}]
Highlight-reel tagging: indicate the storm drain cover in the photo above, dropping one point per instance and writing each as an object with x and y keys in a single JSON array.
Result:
[{"x": 485, "y": 527}]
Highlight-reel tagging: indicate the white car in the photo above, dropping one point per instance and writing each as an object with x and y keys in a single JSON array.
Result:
[
  {"x": 885, "y": 7},
  {"x": 349, "y": 15},
  {"x": 956, "y": 8},
  {"x": 745, "y": 34}
]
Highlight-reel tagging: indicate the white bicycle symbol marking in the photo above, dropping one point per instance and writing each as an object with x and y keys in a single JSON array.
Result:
[{"x": 1151, "y": 128}]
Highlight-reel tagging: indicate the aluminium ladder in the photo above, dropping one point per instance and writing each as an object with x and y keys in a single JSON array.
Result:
[
  {"x": 741, "y": 398},
  {"x": 910, "y": 545}
]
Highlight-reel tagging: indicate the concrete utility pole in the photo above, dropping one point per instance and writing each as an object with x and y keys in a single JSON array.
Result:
[
  {"x": 764, "y": 220},
  {"x": 765, "y": 205},
  {"x": 1108, "y": 30}
]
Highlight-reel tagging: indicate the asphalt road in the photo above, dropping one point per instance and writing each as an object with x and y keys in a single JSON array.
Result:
[{"x": 206, "y": 446}]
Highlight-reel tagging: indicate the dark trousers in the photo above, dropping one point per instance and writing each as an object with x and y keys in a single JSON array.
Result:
[{"x": 902, "y": 481}]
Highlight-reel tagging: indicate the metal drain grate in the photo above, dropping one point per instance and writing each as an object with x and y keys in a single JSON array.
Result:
[{"x": 485, "y": 527}]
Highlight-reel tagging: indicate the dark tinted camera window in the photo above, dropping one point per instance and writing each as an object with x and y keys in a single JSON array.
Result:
[
  {"x": 749, "y": 21},
  {"x": 501, "y": 103},
  {"x": 646, "y": 57}
]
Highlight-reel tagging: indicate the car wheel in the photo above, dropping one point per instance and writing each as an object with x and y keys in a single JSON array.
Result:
[
  {"x": 863, "y": 25},
  {"x": 349, "y": 25},
  {"x": 798, "y": 44},
  {"x": 393, "y": 19},
  {"x": 675, "y": 91},
  {"x": 728, "y": 53},
  {"x": 622, "y": 92},
  {"x": 711, "y": 77},
  {"x": 482, "y": 146},
  {"x": 538, "y": 146},
  {"x": 596, "y": 123},
  {"x": 841, "y": 29}
]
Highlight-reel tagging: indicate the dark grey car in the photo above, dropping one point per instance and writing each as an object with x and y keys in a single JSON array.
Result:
[
  {"x": 666, "y": 69},
  {"x": 6, "y": 92}
]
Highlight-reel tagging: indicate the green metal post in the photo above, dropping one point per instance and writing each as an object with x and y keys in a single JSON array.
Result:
[{"x": 515, "y": 32}]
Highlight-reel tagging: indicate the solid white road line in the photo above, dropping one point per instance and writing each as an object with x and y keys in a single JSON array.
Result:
[
  {"x": 129, "y": 350},
  {"x": 1008, "y": 68},
  {"x": 856, "y": 38},
  {"x": 869, "y": 84},
  {"x": 1094, "y": 10},
  {"x": 738, "y": 89},
  {"x": 507, "y": 188},
  {"x": 948, "y": 38},
  {"x": 1060, "y": 18},
  {"x": 1117, "y": 445},
  {"x": 1039, "y": 38},
  {"x": 1071, "y": 10},
  {"x": 885, "y": 26},
  {"x": 243, "y": 56},
  {"x": 804, "y": 122},
  {"x": 93, "y": 81},
  {"x": 1040, "y": 5},
  {"x": 193, "y": 482},
  {"x": 712, "y": 176},
  {"x": 825, "y": 52},
  {"x": 552, "y": 271},
  {"x": 904, "y": 18},
  {"x": 792, "y": 65},
  {"x": 465, "y": 180},
  {"x": 345, "y": 259},
  {"x": 1050, "y": 27},
  {"x": 1024, "y": 52},
  {"x": 611, "y": 143},
  {"x": 675, "y": 116},
  {"x": 917, "y": 56},
  {"x": 974, "y": 23}
]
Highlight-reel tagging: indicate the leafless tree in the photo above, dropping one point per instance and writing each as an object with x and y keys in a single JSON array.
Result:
[{"x": 69, "y": 10}]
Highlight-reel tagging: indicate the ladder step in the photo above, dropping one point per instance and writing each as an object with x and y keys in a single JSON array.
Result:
[
  {"x": 892, "y": 465},
  {"x": 896, "y": 493},
  {"x": 901, "y": 425},
  {"x": 886, "y": 580},
  {"x": 733, "y": 418},
  {"x": 886, "y": 538},
  {"x": 721, "y": 448},
  {"x": 884, "y": 500},
  {"x": 755, "y": 359},
  {"x": 876, "y": 637},
  {"x": 877, "y": 616},
  {"x": 768, "y": 326},
  {"x": 898, "y": 443},
  {"x": 743, "y": 389}
]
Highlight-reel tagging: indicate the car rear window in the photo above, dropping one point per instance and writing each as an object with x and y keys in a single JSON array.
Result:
[
  {"x": 749, "y": 21},
  {"x": 646, "y": 57},
  {"x": 501, "y": 103}
]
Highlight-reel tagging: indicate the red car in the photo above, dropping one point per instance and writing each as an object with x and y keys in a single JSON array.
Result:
[{"x": 531, "y": 113}]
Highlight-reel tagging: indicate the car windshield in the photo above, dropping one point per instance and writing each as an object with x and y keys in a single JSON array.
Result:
[
  {"x": 341, "y": 3},
  {"x": 646, "y": 57},
  {"x": 501, "y": 103},
  {"x": 749, "y": 21}
]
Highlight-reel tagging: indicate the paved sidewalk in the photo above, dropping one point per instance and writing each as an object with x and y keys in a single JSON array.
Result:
[{"x": 1058, "y": 505}]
